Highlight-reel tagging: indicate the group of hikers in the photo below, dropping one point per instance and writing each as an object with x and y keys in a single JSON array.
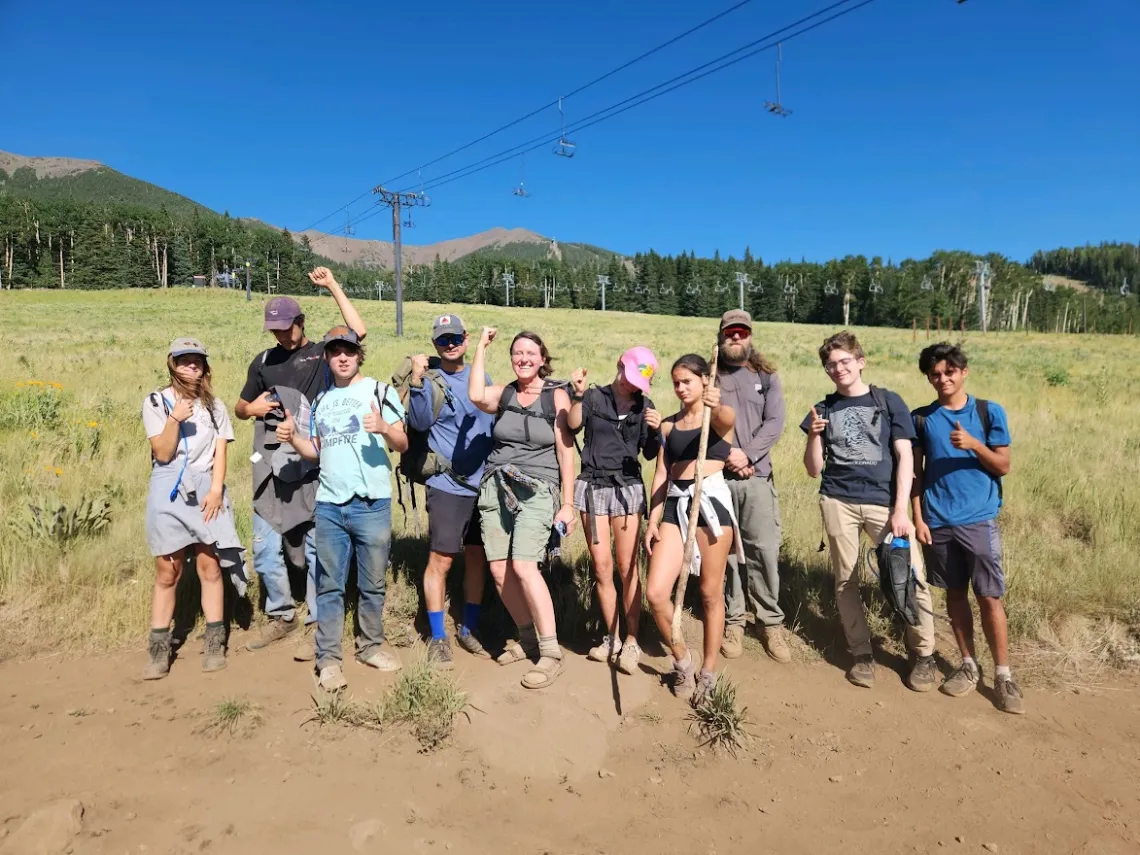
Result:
[{"x": 498, "y": 464}]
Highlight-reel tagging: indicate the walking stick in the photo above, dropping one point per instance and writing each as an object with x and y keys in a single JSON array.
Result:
[{"x": 694, "y": 513}]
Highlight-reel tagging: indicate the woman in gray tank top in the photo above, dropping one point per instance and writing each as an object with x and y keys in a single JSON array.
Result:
[{"x": 527, "y": 488}]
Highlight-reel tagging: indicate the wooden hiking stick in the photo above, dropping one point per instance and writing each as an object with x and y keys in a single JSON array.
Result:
[{"x": 694, "y": 512}]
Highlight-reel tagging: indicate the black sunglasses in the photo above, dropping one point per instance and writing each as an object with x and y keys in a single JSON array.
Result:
[{"x": 450, "y": 340}]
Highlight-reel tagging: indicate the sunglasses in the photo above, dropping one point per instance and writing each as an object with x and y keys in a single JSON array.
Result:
[
  {"x": 737, "y": 333},
  {"x": 452, "y": 340}
]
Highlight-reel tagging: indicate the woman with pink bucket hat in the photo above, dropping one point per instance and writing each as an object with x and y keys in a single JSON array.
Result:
[{"x": 620, "y": 424}]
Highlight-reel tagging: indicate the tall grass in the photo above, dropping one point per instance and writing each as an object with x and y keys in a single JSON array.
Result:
[{"x": 1071, "y": 501}]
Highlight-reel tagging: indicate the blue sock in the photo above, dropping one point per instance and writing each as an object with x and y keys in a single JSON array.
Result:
[
  {"x": 436, "y": 621},
  {"x": 470, "y": 618}
]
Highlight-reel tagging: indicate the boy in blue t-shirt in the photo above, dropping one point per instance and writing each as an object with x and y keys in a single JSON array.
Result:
[
  {"x": 351, "y": 431},
  {"x": 961, "y": 452}
]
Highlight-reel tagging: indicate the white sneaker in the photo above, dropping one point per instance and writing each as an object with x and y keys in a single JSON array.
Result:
[
  {"x": 607, "y": 650},
  {"x": 381, "y": 660},
  {"x": 332, "y": 678},
  {"x": 629, "y": 657}
]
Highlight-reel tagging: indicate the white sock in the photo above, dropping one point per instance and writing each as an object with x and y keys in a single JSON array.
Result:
[
  {"x": 969, "y": 660},
  {"x": 1002, "y": 671}
]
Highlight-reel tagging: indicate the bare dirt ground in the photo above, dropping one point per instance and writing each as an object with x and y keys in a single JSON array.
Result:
[{"x": 832, "y": 768}]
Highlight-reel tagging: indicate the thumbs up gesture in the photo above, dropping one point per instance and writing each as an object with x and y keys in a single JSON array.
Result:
[
  {"x": 960, "y": 438},
  {"x": 374, "y": 422},
  {"x": 287, "y": 429},
  {"x": 818, "y": 425}
]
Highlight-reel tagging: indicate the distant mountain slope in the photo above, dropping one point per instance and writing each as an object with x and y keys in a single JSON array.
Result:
[{"x": 50, "y": 178}]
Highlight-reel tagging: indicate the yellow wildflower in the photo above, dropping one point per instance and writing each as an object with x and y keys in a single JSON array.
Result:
[
  {"x": 58, "y": 471},
  {"x": 33, "y": 434},
  {"x": 35, "y": 382},
  {"x": 56, "y": 385},
  {"x": 93, "y": 424}
]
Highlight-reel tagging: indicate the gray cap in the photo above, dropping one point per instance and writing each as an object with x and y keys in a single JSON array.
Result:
[
  {"x": 341, "y": 333},
  {"x": 185, "y": 345},
  {"x": 445, "y": 324}
]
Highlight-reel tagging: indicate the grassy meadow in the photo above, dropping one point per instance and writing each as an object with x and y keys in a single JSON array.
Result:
[{"x": 75, "y": 367}]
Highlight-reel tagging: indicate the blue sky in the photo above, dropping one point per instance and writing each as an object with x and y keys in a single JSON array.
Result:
[{"x": 992, "y": 125}]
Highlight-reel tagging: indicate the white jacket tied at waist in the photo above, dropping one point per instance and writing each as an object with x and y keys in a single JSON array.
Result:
[{"x": 712, "y": 487}]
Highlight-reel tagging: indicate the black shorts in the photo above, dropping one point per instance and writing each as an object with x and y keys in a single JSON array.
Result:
[
  {"x": 965, "y": 554},
  {"x": 453, "y": 521},
  {"x": 724, "y": 517}
]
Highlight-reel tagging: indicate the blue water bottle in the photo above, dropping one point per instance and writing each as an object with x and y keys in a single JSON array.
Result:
[{"x": 900, "y": 543}]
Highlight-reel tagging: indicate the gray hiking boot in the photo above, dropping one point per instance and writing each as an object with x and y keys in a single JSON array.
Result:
[
  {"x": 732, "y": 645},
  {"x": 1008, "y": 695},
  {"x": 862, "y": 673},
  {"x": 963, "y": 681},
  {"x": 705, "y": 684},
  {"x": 606, "y": 651},
  {"x": 214, "y": 648},
  {"x": 924, "y": 675},
  {"x": 439, "y": 653},
  {"x": 159, "y": 650},
  {"x": 684, "y": 679},
  {"x": 472, "y": 645},
  {"x": 629, "y": 657},
  {"x": 274, "y": 630},
  {"x": 306, "y": 648}
]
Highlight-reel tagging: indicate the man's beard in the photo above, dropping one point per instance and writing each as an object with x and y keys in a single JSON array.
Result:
[{"x": 737, "y": 353}]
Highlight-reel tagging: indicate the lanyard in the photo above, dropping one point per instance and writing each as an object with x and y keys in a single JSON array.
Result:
[{"x": 185, "y": 451}]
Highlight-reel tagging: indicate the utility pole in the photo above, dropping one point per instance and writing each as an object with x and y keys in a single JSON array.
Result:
[
  {"x": 603, "y": 281},
  {"x": 982, "y": 271},
  {"x": 248, "y": 295},
  {"x": 394, "y": 199},
  {"x": 742, "y": 279}
]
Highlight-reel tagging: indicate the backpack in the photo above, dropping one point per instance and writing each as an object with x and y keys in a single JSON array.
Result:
[
  {"x": 420, "y": 462},
  {"x": 983, "y": 416},
  {"x": 897, "y": 581},
  {"x": 549, "y": 411}
]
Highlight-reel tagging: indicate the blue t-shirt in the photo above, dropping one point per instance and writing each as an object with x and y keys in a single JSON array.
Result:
[
  {"x": 462, "y": 433},
  {"x": 859, "y": 462},
  {"x": 354, "y": 462},
  {"x": 957, "y": 490}
]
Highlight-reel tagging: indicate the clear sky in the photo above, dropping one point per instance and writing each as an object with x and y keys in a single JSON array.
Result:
[{"x": 991, "y": 125}]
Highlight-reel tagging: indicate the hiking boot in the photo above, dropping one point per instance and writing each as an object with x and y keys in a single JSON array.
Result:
[
  {"x": 214, "y": 648},
  {"x": 382, "y": 660},
  {"x": 862, "y": 673},
  {"x": 439, "y": 654},
  {"x": 605, "y": 651},
  {"x": 159, "y": 650},
  {"x": 924, "y": 675},
  {"x": 732, "y": 645},
  {"x": 963, "y": 681},
  {"x": 1008, "y": 696},
  {"x": 472, "y": 645},
  {"x": 629, "y": 657},
  {"x": 705, "y": 684},
  {"x": 306, "y": 648},
  {"x": 684, "y": 680},
  {"x": 274, "y": 630},
  {"x": 775, "y": 642},
  {"x": 331, "y": 678}
]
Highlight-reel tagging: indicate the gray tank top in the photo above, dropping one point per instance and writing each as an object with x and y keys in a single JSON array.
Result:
[{"x": 524, "y": 436}]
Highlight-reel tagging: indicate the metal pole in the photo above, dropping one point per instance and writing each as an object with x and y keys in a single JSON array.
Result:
[
  {"x": 398, "y": 249},
  {"x": 248, "y": 296}
]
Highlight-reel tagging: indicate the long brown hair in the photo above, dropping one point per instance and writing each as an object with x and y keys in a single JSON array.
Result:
[
  {"x": 204, "y": 391},
  {"x": 547, "y": 360}
]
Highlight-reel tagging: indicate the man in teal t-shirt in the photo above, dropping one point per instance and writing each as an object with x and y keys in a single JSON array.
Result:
[{"x": 351, "y": 430}]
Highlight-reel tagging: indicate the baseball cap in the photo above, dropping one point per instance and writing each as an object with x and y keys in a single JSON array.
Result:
[
  {"x": 341, "y": 333},
  {"x": 280, "y": 312},
  {"x": 735, "y": 318},
  {"x": 445, "y": 324},
  {"x": 638, "y": 365},
  {"x": 184, "y": 345}
]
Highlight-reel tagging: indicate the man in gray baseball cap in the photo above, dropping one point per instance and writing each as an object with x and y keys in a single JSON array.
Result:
[{"x": 295, "y": 363}]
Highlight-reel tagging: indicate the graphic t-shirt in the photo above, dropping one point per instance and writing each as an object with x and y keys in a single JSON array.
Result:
[
  {"x": 302, "y": 369},
  {"x": 956, "y": 489},
  {"x": 354, "y": 462},
  {"x": 197, "y": 435},
  {"x": 859, "y": 464}
]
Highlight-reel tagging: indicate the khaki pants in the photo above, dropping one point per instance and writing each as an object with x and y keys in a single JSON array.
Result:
[{"x": 843, "y": 521}]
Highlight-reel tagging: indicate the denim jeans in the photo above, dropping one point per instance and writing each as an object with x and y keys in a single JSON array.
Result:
[
  {"x": 360, "y": 527},
  {"x": 269, "y": 562}
]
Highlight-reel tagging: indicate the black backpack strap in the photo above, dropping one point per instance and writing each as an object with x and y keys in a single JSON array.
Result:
[
  {"x": 879, "y": 396},
  {"x": 920, "y": 429},
  {"x": 984, "y": 417},
  {"x": 382, "y": 399}
]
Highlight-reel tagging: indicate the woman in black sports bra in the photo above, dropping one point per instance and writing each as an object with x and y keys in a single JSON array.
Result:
[{"x": 668, "y": 519}]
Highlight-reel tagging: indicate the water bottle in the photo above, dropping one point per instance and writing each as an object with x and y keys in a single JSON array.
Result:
[
  {"x": 900, "y": 543},
  {"x": 560, "y": 527}
]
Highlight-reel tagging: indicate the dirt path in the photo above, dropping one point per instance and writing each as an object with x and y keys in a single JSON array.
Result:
[{"x": 833, "y": 768}]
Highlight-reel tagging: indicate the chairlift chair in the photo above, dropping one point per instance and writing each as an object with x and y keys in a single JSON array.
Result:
[
  {"x": 776, "y": 108},
  {"x": 520, "y": 191},
  {"x": 564, "y": 148}
]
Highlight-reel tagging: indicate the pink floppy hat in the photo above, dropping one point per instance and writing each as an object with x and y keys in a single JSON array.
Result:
[{"x": 638, "y": 365}]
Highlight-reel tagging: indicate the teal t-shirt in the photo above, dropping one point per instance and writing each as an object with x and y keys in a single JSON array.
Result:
[{"x": 354, "y": 462}]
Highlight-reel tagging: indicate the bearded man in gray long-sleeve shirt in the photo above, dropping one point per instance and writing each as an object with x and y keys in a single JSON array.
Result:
[{"x": 751, "y": 386}]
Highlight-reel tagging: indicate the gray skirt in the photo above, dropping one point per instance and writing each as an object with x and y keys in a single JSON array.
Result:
[
  {"x": 609, "y": 501},
  {"x": 172, "y": 525}
]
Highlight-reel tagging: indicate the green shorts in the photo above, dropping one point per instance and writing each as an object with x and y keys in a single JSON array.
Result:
[{"x": 522, "y": 536}]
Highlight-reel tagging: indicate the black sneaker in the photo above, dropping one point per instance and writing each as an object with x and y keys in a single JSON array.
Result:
[
  {"x": 924, "y": 675},
  {"x": 439, "y": 653}
]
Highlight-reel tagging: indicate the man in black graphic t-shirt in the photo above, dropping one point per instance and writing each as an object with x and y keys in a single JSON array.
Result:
[
  {"x": 859, "y": 441},
  {"x": 297, "y": 363}
]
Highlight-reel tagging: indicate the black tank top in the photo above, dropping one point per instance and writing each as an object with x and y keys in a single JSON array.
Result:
[{"x": 682, "y": 445}]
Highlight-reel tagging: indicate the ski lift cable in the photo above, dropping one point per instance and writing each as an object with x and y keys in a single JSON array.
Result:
[{"x": 650, "y": 94}]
